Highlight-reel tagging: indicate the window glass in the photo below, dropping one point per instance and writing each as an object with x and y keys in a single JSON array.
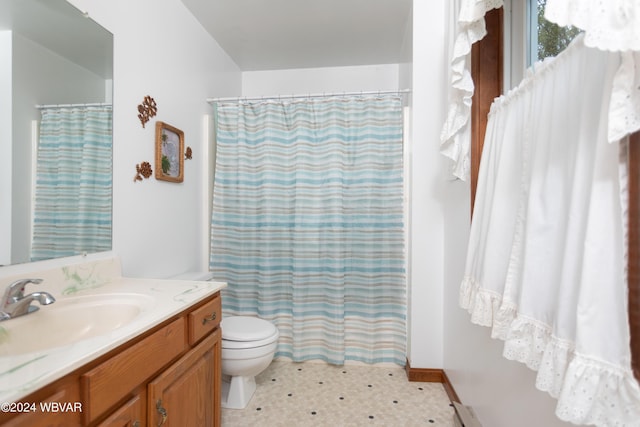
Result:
[
  {"x": 529, "y": 37},
  {"x": 547, "y": 38}
]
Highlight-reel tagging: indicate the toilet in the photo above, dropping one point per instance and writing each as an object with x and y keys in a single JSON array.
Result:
[{"x": 248, "y": 346}]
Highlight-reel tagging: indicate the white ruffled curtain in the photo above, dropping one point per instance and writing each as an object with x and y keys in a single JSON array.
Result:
[
  {"x": 546, "y": 262},
  {"x": 612, "y": 25},
  {"x": 456, "y": 132},
  {"x": 546, "y": 258}
]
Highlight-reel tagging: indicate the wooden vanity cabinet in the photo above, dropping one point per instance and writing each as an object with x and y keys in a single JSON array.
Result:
[{"x": 171, "y": 376}]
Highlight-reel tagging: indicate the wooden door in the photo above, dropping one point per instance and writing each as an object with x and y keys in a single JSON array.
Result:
[
  {"x": 185, "y": 394},
  {"x": 131, "y": 414}
]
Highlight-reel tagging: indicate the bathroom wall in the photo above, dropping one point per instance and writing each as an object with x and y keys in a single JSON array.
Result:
[
  {"x": 429, "y": 185},
  {"x": 320, "y": 80},
  {"x": 161, "y": 50}
]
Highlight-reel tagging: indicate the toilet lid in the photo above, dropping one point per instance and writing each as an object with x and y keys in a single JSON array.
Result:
[{"x": 246, "y": 328}]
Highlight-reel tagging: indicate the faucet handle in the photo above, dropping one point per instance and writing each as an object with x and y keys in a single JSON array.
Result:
[{"x": 15, "y": 290}]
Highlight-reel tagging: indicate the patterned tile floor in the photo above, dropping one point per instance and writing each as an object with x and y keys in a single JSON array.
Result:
[{"x": 317, "y": 394}]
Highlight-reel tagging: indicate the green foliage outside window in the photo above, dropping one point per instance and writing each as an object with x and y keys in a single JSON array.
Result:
[{"x": 552, "y": 39}]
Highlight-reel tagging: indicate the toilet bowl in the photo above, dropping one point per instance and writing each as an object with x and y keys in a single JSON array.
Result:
[{"x": 248, "y": 346}]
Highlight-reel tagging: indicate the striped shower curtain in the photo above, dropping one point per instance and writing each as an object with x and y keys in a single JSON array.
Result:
[
  {"x": 307, "y": 224},
  {"x": 72, "y": 213}
]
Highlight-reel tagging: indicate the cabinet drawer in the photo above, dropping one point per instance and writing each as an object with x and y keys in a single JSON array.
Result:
[
  {"x": 204, "y": 320},
  {"x": 111, "y": 381}
]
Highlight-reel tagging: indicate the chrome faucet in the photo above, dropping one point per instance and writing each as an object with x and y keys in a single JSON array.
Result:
[{"x": 15, "y": 303}]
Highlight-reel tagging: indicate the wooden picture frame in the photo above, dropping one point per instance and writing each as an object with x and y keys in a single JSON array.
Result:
[{"x": 169, "y": 153}]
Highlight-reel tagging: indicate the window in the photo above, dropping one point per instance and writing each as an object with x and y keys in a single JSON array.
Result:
[
  {"x": 529, "y": 37},
  {"x": 549, "y": 39}
]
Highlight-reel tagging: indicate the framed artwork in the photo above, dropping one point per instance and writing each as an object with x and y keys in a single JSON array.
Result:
[{"x": 169, "y": 153}]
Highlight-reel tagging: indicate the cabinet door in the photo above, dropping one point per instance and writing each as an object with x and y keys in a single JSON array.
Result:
[
  {"x": 131, "y": 414},
  {"x": 186, "y": 393}
]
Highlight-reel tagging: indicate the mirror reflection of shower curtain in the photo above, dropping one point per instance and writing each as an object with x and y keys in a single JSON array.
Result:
[
  {"x": 72, "y": 212},
  {"x": 307, "y": 224}
]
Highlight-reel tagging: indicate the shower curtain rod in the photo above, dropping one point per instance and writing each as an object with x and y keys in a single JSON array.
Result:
[
  {"x": 308, "y": 95},
  {"x": 95, "y": 104}
]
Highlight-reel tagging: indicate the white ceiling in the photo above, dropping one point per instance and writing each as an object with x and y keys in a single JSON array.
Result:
[{"x": 285, "y": 34}]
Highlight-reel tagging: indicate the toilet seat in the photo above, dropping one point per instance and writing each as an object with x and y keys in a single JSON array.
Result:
[
  {"x": 247, "y": 332},
  {"x": 231, "y": 345}
]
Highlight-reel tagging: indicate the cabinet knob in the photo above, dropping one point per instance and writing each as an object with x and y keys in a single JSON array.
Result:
[
  {"x": 136, "y": 423},
  {"x": 209, "y": 319},
  {"x": 162, "y": 412}
]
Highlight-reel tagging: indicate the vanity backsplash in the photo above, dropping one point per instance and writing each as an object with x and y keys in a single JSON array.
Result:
[{"x": 66, "y": 276}]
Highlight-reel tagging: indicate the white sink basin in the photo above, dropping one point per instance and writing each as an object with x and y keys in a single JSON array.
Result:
[{"x": 69, "y": 320}]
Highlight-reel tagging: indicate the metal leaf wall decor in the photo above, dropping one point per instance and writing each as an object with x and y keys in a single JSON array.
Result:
[{"x": 147, "y": 109}]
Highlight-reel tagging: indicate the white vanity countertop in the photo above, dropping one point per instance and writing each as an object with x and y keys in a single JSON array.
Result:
[{"x": 23, "y": 374}]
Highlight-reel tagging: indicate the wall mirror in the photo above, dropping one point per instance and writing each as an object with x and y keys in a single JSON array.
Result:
[{"x": 53, "y": 58}]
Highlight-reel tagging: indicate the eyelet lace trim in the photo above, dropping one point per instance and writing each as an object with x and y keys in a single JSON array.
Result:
[
  {"x": 609, "y": 24},
  {"x": 624, "y": 107},
  {"x": 589, "y": 390}
]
